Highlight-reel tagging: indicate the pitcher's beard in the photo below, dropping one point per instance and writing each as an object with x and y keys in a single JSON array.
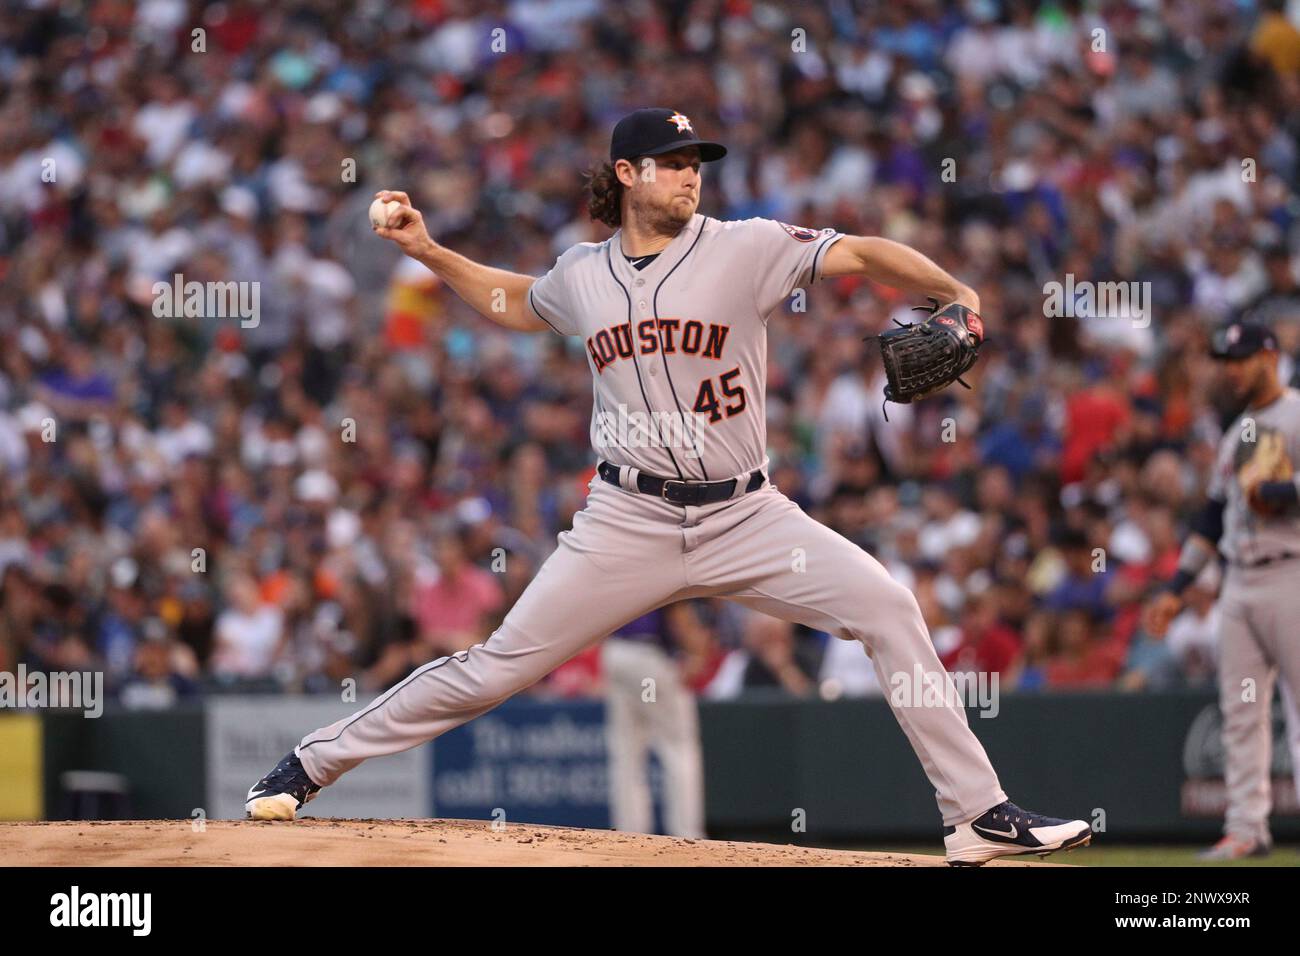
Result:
[{"x": 664, "y": 220}]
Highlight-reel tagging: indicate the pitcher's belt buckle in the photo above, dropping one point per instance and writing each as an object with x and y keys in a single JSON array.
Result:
[{"x": 688, "y": 493}]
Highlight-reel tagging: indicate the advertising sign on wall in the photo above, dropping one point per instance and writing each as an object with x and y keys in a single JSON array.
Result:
[{"x": 247, "y": 735}]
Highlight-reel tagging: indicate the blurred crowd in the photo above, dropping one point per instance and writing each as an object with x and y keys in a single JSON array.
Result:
[{"x": 367, "y": 475}]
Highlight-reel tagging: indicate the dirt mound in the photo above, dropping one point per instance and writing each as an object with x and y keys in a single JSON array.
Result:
[{"x": 395, "y": 843}]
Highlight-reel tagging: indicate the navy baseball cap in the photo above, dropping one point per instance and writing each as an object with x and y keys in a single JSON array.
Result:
[
  {"x": 650, "y": 132},
  {"x": 1241, "y": 340}
]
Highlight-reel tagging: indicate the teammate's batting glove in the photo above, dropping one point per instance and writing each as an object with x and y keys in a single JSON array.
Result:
[{"x": 926, "y": 357}]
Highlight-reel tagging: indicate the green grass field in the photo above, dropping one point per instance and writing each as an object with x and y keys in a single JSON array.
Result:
[{"x": 1134, "y": 856}]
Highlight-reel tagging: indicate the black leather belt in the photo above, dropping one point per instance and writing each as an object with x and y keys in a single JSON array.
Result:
[{"x": 680, "y": 492}]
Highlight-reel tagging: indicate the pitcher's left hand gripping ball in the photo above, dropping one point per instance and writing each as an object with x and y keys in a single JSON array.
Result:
[{"x": 929, "y": 356}]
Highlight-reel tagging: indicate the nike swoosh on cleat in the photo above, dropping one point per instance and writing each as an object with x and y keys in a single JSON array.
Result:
[{"x": 1009, "y": 834}]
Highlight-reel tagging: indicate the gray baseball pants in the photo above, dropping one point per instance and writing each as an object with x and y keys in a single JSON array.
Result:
[
  {"x": 630, "y": 553},
  {"x": 1259, "y": 616},
  {"x": 666, "y": 724}
]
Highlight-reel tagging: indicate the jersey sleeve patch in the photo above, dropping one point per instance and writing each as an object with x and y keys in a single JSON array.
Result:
[{"x": 802, "y": 233}]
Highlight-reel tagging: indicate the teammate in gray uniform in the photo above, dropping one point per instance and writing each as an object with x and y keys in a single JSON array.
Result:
[
  {"x": 649, "y": 708},
  {"x": 1256, "y": 528},
  {"x": 672, "y": 311}
]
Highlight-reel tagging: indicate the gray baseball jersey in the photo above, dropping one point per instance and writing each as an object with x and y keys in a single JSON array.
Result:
[
  {"x": 1249, "y": 537},
  {"x": 678, "y": 350},
  {"x": 678, "y": 355},
  {"x": 1258, "y": 609}
]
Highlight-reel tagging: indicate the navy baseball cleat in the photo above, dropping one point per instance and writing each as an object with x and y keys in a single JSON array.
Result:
[
  {"x": 282, "y": 792},
  {"x": 1006, "y": 830}
]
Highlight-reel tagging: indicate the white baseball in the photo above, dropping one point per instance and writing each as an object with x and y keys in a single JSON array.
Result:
[{"x": 382, "y": 212}]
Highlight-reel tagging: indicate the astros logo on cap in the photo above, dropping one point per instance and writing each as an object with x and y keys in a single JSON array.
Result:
[{"x": 683, "y": 123}]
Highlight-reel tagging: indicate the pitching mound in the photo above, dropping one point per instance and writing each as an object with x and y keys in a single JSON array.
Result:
[{"x": 396, "y": 843}]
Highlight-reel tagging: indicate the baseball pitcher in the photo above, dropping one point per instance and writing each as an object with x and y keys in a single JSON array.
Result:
[{"x": 672, "y": 312}]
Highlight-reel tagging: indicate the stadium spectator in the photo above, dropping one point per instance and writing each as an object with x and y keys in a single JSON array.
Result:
[
  {"x": 985, "y": 645},
  {"x": 164, "y": 671},
  {"x": 452, "y": 603},
  {"x": 272, "y": 486},
  {"x": 249, "y": 632}
]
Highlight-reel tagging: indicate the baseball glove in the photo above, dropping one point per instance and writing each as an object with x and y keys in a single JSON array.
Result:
[
  {"x": 925, "y": 357},
  {"x": 1268, "y": 462}
]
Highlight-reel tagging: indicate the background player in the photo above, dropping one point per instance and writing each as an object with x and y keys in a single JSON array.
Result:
[
  {"x": 1251, "y": 515},
  {"x": 673, "y": 311},
  {"x": 659, "y": 717}
]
